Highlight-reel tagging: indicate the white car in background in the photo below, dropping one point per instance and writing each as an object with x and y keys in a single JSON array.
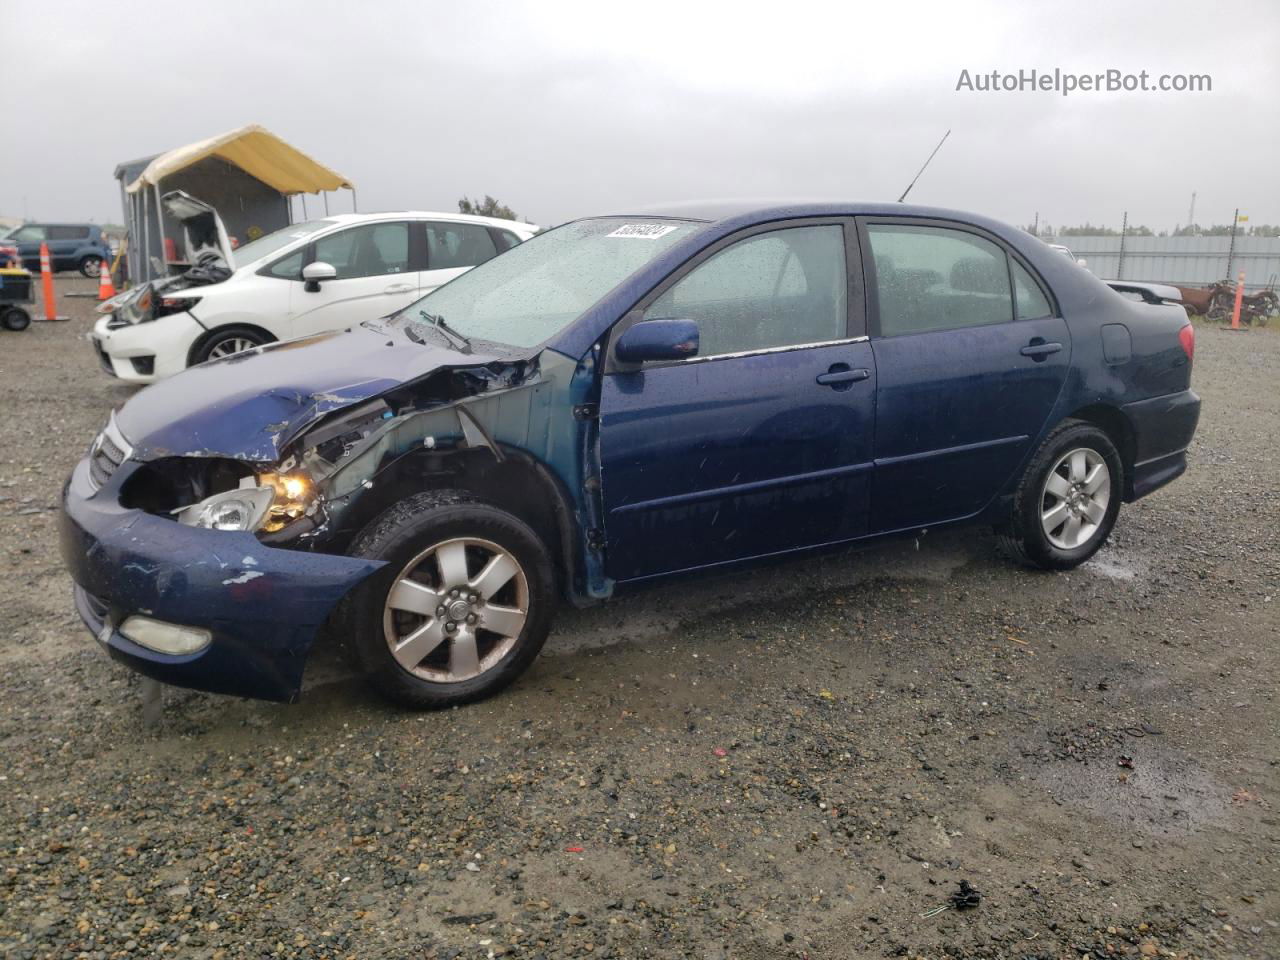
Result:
[{"x": 304, "y": 279}]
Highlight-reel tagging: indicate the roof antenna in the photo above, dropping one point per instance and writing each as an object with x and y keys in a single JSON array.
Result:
[{"x": 926, "y": 163}]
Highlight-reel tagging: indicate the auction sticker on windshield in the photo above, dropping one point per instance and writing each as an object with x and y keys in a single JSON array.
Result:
[{"x": 643, "y": 231}]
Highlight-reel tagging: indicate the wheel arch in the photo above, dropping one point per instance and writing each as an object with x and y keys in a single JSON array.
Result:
[
  {"x": 194, "y": 350},
  {"x": 1113, "y": 422},
  {"x": 517, "y": 483}
]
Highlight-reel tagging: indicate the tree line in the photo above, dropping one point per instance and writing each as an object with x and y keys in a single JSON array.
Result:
[{"x": 1138, "y": 230}]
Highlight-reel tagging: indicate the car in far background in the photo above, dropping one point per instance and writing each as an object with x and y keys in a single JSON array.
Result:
[
  {"x": 304, "y": 279},
  {"x": 72, "y": 246}
]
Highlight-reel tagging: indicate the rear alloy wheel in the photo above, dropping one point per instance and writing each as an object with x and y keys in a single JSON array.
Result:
[
  {"x": 229, "y": 342},
  {"x": 1074, "y": 501},
  {"x": 91, "y": 267},
  {"x": 465, "y": 608},
  {"x": 1068, "y": 499}
]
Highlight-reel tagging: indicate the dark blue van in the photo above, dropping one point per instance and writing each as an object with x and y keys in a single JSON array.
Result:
[{"x": 619, "y": 400}]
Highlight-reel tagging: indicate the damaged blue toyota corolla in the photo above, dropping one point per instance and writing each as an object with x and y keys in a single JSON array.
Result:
[{"x": 617, "y": 400}]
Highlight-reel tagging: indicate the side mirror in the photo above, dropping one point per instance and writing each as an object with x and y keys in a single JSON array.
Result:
[
  {"x": 313, "y": 273},
  {"x": 658, "y": 340}
]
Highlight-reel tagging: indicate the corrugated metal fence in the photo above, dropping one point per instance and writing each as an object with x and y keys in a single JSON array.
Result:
[{"x": 1187, "y": 261}]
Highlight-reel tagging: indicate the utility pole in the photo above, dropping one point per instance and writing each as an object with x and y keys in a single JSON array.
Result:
[
  {"x": 1191, "y": 216},
  {"x": 1124, "y": 228},
  {"x": 1035, "y": 228},
  {"x": 1231, "y": 247}
]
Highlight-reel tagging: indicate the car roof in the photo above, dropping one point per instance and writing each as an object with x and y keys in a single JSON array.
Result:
[
  {"x": 428, "y": 215},
  {"x": 748, "y": 210}
]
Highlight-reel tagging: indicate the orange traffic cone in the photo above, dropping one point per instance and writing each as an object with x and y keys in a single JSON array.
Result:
[
  {"x": 106, "y": 289},
  {"x": 46, "y": 280}
]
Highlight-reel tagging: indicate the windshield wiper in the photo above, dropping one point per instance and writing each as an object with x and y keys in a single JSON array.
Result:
[{"x": 450, "y": 334}]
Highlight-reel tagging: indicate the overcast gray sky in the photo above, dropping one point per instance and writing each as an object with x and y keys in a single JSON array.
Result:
[{"x": 562, "y": 109}]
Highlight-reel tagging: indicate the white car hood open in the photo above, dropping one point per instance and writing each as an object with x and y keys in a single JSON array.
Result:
[{"x": 202, "y": 228}]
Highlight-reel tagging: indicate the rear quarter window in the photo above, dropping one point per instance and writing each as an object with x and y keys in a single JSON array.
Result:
[{"x": 1029, "y": 298}]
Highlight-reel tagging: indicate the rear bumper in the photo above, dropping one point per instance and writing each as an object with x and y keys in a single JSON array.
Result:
[
  {"x": 1163, "y": 428},
  {"x": 264, "y": 606}
]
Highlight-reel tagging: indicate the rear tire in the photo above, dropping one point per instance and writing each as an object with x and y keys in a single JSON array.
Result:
[
  {"x": 227, "y": 342},
  {"x": 462, "y": 608},
  {"x": 91, "y": 267},
  {"x": 1067, "y": 501},
  {"x": 15, "y": 318}
]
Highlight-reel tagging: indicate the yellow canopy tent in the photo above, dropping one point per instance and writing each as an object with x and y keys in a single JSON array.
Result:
[
  {"x": 255, "y": 150},
  {"x": 248, "y": 175}
]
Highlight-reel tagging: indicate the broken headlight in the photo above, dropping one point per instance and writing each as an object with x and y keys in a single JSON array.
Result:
[
  {"x": 164, "y": 306},
  {"x": 268, "y": 502},
  {"x": 293, "y": 497}
]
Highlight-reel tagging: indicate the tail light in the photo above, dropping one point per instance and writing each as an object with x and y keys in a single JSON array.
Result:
[{"x": 1187, "y": 337}]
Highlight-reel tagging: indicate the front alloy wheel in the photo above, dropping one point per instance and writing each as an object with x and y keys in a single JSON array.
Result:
[
  {"x": 467, "y": 610},
  {"x": 230, "y": 346},
  {"x": 456, "y": 610}
]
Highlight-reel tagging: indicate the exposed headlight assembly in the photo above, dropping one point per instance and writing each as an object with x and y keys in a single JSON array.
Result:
[
  {"x": 164, "y": 306},
  {"x": 269, "y": 502},
  {"x": 242, "y": 509}
]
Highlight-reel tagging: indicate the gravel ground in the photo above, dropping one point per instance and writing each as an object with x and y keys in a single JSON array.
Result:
[{"x": 800, "y": 762}]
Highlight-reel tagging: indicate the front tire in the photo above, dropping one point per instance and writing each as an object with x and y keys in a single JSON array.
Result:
[
  {"x": 464, "y": 605},
  {"x": 1067, "y": 501},
  {"x": 227, "y": 342},
  {"x": 91, "y": 266}
]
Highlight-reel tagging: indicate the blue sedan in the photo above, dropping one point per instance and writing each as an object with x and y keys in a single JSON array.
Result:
[{"x": 618, "y": 400}]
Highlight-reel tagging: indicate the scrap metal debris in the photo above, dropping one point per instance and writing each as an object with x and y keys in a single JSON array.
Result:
[{"x": 965, "y": 898}]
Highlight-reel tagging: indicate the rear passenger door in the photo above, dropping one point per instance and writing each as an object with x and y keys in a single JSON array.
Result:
[
  {"x": 453, "y": 249},
  {"x": 970, "y": 358},
  {"x": 376, "y": 275}
]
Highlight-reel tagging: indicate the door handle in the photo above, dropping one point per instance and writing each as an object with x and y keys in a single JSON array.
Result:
[
  {"x": 840, "y": 376},
  {"x": 400, "y": 288},
  {"x": 1038, "y": 350}
]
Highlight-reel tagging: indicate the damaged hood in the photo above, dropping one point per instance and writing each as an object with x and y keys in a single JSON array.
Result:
[{"x": 251, "y": 405}]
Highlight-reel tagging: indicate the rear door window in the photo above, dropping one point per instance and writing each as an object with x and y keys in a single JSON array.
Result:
[
  {"x": 936, "y": 278},
  {"x": 451, "y": 245},
  {"x": 68, "y": 233}
]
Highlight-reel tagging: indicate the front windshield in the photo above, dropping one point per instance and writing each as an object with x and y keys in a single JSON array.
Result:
[
  {"x": 534, "y": 290},
  {"x": 266, "y": 245}
]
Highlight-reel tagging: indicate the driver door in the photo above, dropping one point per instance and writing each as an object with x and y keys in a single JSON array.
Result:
[
  {"x": 375, "y": 276},
  {"x": 761, "y": 443}
]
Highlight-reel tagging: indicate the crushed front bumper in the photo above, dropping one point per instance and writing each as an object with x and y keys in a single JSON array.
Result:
[
  {"x": 161, "y": 345},
  {"x": 264, "y": 606}
]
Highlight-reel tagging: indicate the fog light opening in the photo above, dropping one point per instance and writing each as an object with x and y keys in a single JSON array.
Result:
[{"x": 171, "y": 638}]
